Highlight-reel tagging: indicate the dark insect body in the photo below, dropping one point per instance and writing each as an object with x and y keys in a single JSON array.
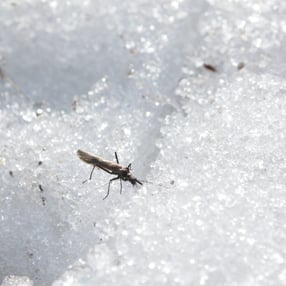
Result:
[
  {"x": 210, "y": 67},
  {"x": 240, "y": 66},
  {"x": 123, "y": 173}
]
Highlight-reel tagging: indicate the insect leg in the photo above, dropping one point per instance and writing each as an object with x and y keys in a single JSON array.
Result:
[
  {"x": 116, "y": 157},
  {"x": 90, "y": 176},
  {"x": 120, "y": 186},
  {"x": 137, "y": 181},
  {"x": 109, "y": 186}
]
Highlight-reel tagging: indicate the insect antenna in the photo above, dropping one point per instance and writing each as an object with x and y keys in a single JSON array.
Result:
[{"x": 155, "y": 184}]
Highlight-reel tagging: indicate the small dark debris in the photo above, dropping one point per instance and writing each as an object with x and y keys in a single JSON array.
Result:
[
  {"x": 2, "y": 74},
  {"x": 172, "y": 182},
  {"x": 131, "y": 72},
  {"x": 30, "y": 254},
  {"x": 240, "y": 66},
  {"x": 74, "y": 104},
  {"x": 39, "y": 112},
  {"x": 41, "y": 188},
  {"x": 43, "y": 201},
  {"x": 40, "y": 163},
  {"x": 11, "y": 174},
  {"x": 210, "y": 67}
]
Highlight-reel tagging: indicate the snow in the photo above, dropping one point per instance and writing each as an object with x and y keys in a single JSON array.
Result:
[{"x": 208, "y": 144}]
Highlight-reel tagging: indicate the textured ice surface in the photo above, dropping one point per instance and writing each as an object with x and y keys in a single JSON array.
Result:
[
  {"x": 218, "y": 218},
  {"x": 13, "y": 280},
  {"x": 130, "y": 77}
]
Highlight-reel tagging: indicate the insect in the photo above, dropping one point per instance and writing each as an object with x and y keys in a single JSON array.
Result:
[{"x": 123, "y": 173}]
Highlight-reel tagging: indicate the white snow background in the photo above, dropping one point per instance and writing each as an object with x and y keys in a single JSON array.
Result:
[{"x": 129, "y": 76}]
